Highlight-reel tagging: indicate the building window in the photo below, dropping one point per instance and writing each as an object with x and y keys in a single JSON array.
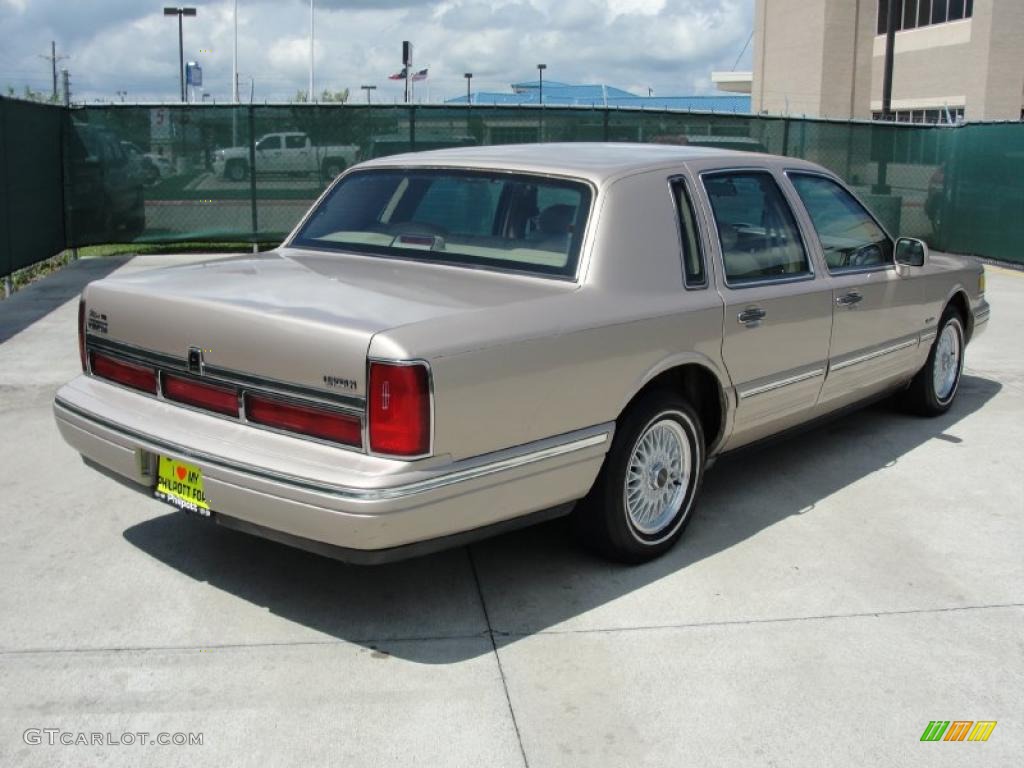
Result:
[
  {"x": 903, "y": 144},
  {"x": 946, "y": 115},
  {"x": 911, "y": 14}
]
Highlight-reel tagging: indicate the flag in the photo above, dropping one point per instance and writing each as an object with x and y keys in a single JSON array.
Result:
[
  {"x": 421, "y": 75},
  {"x": 398, "y": 75}
]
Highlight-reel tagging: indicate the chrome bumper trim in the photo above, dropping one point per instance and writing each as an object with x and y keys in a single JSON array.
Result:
[{"x": 157, "y": 445}]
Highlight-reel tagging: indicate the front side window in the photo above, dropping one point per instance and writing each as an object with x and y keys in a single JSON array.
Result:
[
  {"x": 295, "y": 141},
  {"x": 484, "y": 219},
  {"x": 269, "y": 142},
  {"x": 849, "y": 237},
  {"x": 756, "y": 228}
]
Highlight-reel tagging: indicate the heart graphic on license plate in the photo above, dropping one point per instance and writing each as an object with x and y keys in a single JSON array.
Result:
[{"x": 181, "y": 472}]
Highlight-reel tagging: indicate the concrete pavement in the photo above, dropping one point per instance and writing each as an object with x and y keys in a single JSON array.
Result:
[{"x": 836, "y": 592}]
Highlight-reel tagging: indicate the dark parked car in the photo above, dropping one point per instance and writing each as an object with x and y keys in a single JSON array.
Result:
[{"x": 105, "y": 186}]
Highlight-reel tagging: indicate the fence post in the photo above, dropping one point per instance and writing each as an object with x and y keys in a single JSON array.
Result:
[
  {"x": 6, "y": 248},
  {"x": 252, "y": 179},
  {"x": 605, "y": 126},
  {"x": 785, "y": 136},
  {"x": 412, "y": 127}
]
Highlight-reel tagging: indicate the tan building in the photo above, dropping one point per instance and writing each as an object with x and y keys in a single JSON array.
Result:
[{"x": 954, "y": 59}]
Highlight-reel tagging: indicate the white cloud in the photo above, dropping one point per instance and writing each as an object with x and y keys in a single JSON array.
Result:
[{"x": 670, "y": 45}]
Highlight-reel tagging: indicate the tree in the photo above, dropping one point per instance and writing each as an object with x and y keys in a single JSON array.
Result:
[
  {"x": 30, "y": 95},
  {"x": 326, "y": 96},
  {"x": 337, "y": 97}
]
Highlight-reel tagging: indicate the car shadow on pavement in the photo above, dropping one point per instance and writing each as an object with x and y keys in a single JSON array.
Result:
[
  {"x": 36, "y": 301},
  {"x": 537, "y": 578}
]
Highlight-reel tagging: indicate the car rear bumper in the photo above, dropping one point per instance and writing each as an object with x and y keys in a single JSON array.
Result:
[{"x": 340, "y": 502}]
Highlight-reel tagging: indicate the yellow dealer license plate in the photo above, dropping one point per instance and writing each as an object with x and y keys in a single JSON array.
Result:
[{"x": 181, "y": 484}]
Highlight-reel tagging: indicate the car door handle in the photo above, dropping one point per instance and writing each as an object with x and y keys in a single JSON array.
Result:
[
  {"x": 751, "y": 316},
  {"x": 849, "y": 299}
]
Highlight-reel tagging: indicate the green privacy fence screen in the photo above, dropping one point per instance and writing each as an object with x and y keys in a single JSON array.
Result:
[
  {"x": 171, "y": 173},
  {"x": 31, "y": 183}
]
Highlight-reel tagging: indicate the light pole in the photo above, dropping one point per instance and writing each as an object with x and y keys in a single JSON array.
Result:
[
  {"x": 311, "y": 97},
  {"x": 540, "y": 71},
  {"x": 469, "y": 92},
  {"x": 179, "y": 12},
  {"x": 234, "y": 60},
  {"x": 368, "y": 88}
]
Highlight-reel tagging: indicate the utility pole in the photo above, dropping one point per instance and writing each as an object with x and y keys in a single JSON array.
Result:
[
  {"x": 469, "y": 91},
  {"x": 53, "y": 58},
  {"x": 882, "y": 183},
  {"x": 311, "y": 96},
  {"x": 66, "y": 78}
]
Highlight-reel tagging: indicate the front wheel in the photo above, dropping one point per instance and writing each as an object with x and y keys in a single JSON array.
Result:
[
  {"x": 643, "y": 497},
  {"x": 236, "y": 171},
  {"x": 934, "y": 388}
]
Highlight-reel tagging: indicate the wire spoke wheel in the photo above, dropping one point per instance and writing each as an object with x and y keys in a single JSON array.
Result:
[
  {"x": 946, "y": 368},
  {"x": 657, "y": 476}
]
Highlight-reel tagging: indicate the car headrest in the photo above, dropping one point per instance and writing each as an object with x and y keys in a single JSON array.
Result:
[{"x": 556, "y": 219}]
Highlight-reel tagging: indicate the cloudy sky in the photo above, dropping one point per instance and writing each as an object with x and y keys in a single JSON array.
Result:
[{"x": 668, "y": 45}]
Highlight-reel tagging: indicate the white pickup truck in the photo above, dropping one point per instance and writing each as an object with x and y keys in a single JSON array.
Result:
[{"x": 284, "y": 153}]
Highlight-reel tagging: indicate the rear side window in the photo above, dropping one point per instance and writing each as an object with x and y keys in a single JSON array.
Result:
[
  {"x": 694, "y": 274},
  {"x": 294, "y": 141},
  {"x": 756, "y": 228},
  {"x": 850, "y": 238},
  {"x": 486, "y": 219}
]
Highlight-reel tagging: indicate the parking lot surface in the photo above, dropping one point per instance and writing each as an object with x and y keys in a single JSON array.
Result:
[{"x": 836, "y": 592}]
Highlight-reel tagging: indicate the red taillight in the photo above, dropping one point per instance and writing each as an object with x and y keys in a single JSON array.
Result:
[
  {"x": 130, "y": 374},
  {"x": 399, "y": 409},
  {"x": 307, "y": 420},
  {"x": 201, "y": 395},
  {"x": 81, "y": 333}
]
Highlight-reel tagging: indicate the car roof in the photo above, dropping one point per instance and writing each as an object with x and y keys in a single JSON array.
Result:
[{"x": 597, "y": 162}]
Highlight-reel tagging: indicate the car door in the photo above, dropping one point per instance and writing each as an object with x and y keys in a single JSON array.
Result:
[
  {"x": 877, "y": 316},
  {"x": 778, "y": 314},
  {"x": 297, "y": 157},
  {"x": 268, "y": 154}
]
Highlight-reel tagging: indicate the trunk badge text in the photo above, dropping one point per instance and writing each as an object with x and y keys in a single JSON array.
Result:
[
  {"x": 340, "y": 383},
  {"x": 97, "y": 321}
]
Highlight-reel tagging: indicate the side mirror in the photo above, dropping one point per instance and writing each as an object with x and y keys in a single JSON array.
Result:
[{"x": 911, "y": 252}]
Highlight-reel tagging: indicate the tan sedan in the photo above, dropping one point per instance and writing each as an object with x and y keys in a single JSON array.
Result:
[{"x": 457, "y": 342}]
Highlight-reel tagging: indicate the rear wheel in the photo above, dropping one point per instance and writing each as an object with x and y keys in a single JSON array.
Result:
[
  {"x": 333, "y": 168},
  {"x": 644, "y": 494},
  {"x": 934, "y": 388}
]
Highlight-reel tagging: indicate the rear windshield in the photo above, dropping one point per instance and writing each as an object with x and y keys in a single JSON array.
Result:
[{"x": 484, "y": 219}]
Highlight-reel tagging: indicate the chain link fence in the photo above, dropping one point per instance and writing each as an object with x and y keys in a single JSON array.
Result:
[{"x": 175, "y": 173}]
